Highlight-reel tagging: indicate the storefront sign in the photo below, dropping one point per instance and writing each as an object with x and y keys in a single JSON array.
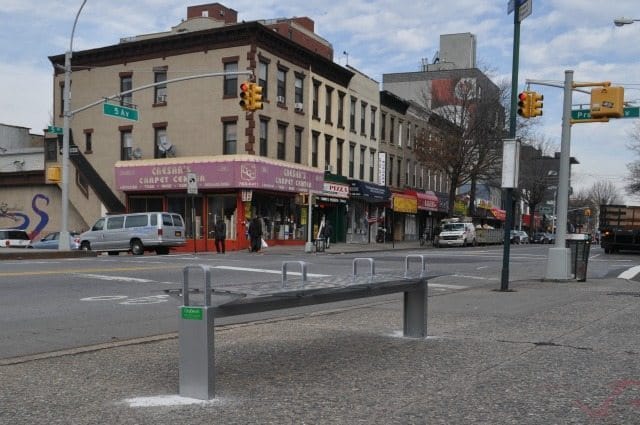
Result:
[
  {"x": 239, "y": 171},
  {"x": 405, "y": 203},
  {"x": 336, "y": 190},
  {"x": 427, "y": 201},
  {"x": 370, "y": 191}
]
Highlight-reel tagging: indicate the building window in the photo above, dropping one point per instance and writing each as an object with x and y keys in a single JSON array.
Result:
[
  {"x": 160, "y": 142},
  {"x": 372, "y": 161},
  {"x": 407, "y": 168},
  {"x": 82, "y": 183},
  {"x": 230, "y": 81},
  {"x": 126, "y": 145},
  {"x": 392, "y": 124},
  {"x": 352, "y": 154},
  {"x": 314, "y": 149},
  {"x": 340, "y": 110},
  {"x": 362, "y": 155},
  {"x": 263, "y": 78},
  {"x": 126, "y": 84},
  {"x": 298, "y": 146},
  {"x": 299, "y": 91},
  {"x": 390, "y": 178},
  {"x": 373, "y": 123},
  {"x": 51, "y": 153},
  {"x": 328, "y": 100},
  {"x": 383, "y": 127},
  {"x": 87, "y": 141},
  {"x": 339, "y": 157},
  {"x": 363, "y": 114},
  {"x": 160, "y": 91},
  {"x": 352, "y": 115},
  {"x": 316, "y": 94},
  {"x": 408, "y": 139},
  {"x": 399, "y": 173},
  {"x": 327, "y": 152},
  {"x": 264, "y": 133},
  {"x": 282, "y": 141},
  {"x": 282, "y": 86},
  {"x": 415, "y": 175},
  {"x": 229, "y": 137}
]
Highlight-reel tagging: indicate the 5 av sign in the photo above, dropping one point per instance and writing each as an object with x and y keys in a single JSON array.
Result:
[{"x": 120, "y": 112}]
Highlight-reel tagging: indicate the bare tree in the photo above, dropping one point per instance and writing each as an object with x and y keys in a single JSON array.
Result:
[{"x": 466, "y": 125}]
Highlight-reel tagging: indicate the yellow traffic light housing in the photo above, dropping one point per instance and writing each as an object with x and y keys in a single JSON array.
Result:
[
  {"x": 607, "y": 102},
  {"x": 256, "y": 96},
  {"x": 524, "y": 104},
  {"x": 535, "y": 100}
]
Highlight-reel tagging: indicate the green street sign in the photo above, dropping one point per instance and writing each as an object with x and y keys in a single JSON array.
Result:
[
  {"x": 55, "y": 130},
  {"x": 120, "y": 111},
  {"x": 585, "y": 114},
  {"x": 191, "y": 313}
]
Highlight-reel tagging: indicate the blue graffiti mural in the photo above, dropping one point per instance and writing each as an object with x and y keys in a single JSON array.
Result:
[{"x": 20, "y": 220}]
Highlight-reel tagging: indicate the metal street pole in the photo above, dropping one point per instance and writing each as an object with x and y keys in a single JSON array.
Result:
[
  {"x": 63, "y": 244},
  {"x": 504, "y": 280},
  {"x": 559, "y": 258}
]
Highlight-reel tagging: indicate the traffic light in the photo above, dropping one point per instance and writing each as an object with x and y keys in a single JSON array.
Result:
[
  {"x": 524, "y": 104},
  {"x": 245, "y": 96},
  {"x": 256, "y": 96},
  {"x": 607, "y": 102},
  {"x": 535, "y": 100}
]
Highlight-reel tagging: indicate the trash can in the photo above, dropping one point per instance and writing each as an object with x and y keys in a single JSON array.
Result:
[
  {"x": 579, "y": 245},
  {"x": 320, "y": 244}
]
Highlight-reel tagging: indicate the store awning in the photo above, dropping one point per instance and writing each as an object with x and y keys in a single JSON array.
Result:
[
  {"x": 369, "y": 192},
  {"x": 499, "y": 214},
  {"x": 405, "y": 203},
  {"x": 427, "y": 201}
]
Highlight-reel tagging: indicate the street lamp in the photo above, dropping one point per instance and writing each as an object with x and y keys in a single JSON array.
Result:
[
  {"x": 624, "y": 21},
  {"x": 64, "y": 225}
]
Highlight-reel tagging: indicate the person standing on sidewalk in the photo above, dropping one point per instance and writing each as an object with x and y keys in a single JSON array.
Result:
[
  {"x": 220, "y": 235},
  {"x": 255, "y": 234}
]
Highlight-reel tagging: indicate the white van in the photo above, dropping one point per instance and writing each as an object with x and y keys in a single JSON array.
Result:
[
  {"x": 457, "y": 233},
  {"x": 137, "y": 232}
]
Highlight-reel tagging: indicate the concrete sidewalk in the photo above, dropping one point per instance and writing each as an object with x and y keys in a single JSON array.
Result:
[{"x": 546, "y": 353}]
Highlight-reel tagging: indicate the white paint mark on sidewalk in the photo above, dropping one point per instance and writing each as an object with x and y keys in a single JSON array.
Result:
[
  {"x": 474, "y": 277},
  {"x": 446, "y": 286},
  {"x": 168, "y": 400},
  {"x": 629, "y": 273}
]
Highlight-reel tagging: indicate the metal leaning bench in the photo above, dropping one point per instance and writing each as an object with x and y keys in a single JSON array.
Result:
[{"x": 196, "y": 332}]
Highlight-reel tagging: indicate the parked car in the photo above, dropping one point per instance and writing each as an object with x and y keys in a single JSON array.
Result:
[
  {"x": 543, "y": 238},
  {"x": 519, "y": 236},
  {"x": 52, "y": 241},
  {"x": 14, "y": 238},
  {"x": 456, "y": 233},
  {"x": 136, "y": 232}
]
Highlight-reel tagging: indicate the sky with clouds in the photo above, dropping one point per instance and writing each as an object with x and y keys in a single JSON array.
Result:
[{"x": 378, "y": 36}]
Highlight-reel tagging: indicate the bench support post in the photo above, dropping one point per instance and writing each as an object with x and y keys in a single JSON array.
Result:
[{"x": 415, "y": 312}]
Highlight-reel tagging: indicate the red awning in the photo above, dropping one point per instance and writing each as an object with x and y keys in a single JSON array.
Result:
[
  {"x": 427, "y": 201},
  {"x": 499, "y": 214}
]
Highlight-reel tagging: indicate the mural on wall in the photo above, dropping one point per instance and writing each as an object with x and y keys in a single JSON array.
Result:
[{"x": 17, "y": 218}]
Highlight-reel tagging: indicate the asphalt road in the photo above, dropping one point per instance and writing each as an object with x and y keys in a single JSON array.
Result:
[{"x": 58, "y": 304}]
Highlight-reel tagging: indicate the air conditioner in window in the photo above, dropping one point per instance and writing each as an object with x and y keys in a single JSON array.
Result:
[
  {"x": 328, "y": 168},
  {"x": 298, "y": 106},
  {"x": 280, "y": 99},
  {"x": 161, "y": 98}
]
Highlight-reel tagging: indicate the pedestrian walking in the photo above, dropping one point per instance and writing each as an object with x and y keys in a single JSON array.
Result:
[
  {"x": 220, "y": 235},
  {"x": 328, "y": 230},
  {"x": 255, "y": 234}
]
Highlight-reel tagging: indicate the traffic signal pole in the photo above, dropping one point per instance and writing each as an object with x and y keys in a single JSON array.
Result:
[{"x": 504, "y": 280}]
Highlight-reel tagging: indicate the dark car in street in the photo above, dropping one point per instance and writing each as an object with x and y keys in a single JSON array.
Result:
[{"x": 543, "y": 238}]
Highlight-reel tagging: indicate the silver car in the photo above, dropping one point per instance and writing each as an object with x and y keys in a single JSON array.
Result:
[{"x": 52, "y": 241}]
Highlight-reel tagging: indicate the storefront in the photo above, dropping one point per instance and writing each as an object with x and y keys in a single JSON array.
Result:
[
  {"x": 427, "y": 216},
  {"x": 233, "y": 188},
  {"x": 331, "y": 206},
  {"x": 405, "y": 208},
  {"x": 366, "y": 210}
]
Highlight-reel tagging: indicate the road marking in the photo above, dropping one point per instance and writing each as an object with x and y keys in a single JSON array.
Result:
[
  {"x": 120, "y": 278},
  {"x": 445, "y": 286},
  {"x": 248, "y": 269},
  {"x": 630, "y": 273},
  {"x": 474, "y": 277}
]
